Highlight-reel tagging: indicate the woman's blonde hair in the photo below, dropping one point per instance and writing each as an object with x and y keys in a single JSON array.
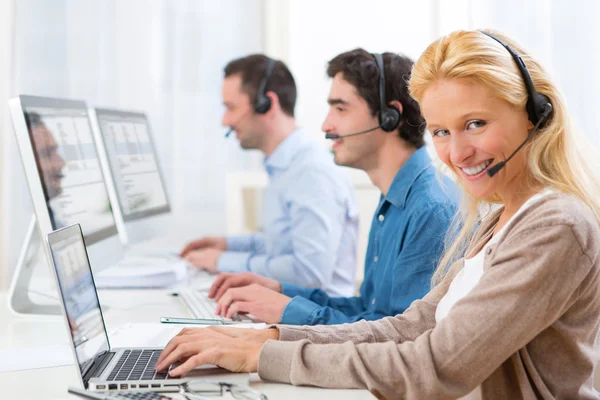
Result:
[{"x": 555, "y": 154}]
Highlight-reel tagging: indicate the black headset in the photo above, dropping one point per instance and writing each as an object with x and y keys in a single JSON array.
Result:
[
  {"x": 389, "y": 117},
  {"x": 538, "y": 105},
  {"x": 263, "y": 102}
]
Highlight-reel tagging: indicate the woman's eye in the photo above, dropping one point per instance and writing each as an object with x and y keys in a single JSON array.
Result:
[
  {"x": 340, "y": 109},
  {"x": 475, "y": 124},
  {"x": 440, "y": 133}
]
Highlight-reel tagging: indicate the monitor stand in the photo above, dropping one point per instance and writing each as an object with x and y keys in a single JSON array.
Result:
[{"x": 19, "y": 300}]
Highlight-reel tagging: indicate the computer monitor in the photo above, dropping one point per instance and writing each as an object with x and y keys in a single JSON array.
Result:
[
  {"x": 137, "y": 190},
  {"x": 65, "y": 179}
]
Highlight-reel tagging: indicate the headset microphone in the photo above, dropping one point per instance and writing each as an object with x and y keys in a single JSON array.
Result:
[
  {"x": 496, "y": 168},
  {"x": 240, "y": 119},
  {"x": 231, "y": 128},
  {"x": 336, "y": 136}
]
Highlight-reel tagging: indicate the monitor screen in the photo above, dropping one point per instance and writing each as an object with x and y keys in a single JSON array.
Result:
[
  {"x": 133, "y": 163},
  {"x": 68, "y": 166},
  {"x": 78, "y": 293}
]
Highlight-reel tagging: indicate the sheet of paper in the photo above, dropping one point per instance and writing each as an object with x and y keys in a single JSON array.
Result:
[
  {"x": 18, "y": 359},
  {"x": 156, "y": 334}
]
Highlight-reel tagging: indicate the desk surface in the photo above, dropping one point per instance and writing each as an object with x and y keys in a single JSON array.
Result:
[
  {"x": 53, "y": 383},
  {"x": 149, "y": 306}
]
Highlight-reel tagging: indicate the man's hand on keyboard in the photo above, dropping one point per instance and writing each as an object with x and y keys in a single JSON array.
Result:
[
  {"x": 209, "y": 242},
  {"x": 205, "y": 258},
  {"x": 265, "y": 304},
  {"x": 231, "y": 280}
]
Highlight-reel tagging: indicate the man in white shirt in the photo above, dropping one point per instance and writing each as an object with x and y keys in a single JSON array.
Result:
[{"x": 310, "y": 215}]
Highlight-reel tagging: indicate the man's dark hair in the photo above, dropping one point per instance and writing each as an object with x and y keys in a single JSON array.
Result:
[
  {"x": 252, "y": 70},
  {"x": 359, "y": 68}
]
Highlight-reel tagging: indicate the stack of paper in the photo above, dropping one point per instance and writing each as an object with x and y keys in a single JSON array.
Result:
[{"x": 141, "y": 274}]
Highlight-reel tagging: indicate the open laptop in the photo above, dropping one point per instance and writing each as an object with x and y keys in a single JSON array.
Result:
[{"x": 102, "y": 367}]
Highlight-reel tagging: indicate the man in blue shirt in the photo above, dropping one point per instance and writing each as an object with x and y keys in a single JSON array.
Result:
[
  {"x": 415, "y": 210},
  {"x": 310, "y": 214}
]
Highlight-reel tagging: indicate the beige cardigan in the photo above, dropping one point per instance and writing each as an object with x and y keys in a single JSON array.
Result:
[{"x": 528, "y": 330}]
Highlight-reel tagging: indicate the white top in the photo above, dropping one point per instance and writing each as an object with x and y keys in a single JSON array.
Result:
[{"x": 470, "y": 275}]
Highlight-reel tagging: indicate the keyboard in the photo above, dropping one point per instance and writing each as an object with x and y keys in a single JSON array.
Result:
[
  {"x": 202, "y": 307},
  {"x": 137, "y": 365}
]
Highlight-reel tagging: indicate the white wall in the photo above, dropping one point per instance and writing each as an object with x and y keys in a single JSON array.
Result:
[
  {"x": 160, "y": 56},
  {"x": 6, "y": 70},
  {"x": 565, "y": 37}
]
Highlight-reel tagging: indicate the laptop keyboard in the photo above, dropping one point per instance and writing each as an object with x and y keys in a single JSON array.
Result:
[{"x": 137, "y": 365}]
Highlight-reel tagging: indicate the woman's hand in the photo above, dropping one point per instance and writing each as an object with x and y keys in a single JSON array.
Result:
[
  {"x": 234, "y": 351},
  {"x": 250, "y": 335}
]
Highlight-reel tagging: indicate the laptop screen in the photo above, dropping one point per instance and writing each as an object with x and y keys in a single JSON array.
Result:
[{"x": 78, "y": 293}]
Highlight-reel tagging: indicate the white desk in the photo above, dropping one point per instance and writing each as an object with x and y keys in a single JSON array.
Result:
[
  {"x": 124, "y": 307},
  {"x": 52, "y": 383}
]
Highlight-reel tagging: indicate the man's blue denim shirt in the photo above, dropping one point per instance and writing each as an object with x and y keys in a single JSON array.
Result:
[{"x": 406, "y": 242}]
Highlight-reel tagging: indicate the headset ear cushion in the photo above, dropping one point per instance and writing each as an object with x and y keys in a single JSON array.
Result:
[
  {"x": 390, "y": 119},
  {"x": 537, "y": 107},
  {"x": 263, "y": 104}
]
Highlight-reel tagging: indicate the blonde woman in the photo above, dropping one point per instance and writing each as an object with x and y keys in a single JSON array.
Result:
[{"x": 518, "y": 316}]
